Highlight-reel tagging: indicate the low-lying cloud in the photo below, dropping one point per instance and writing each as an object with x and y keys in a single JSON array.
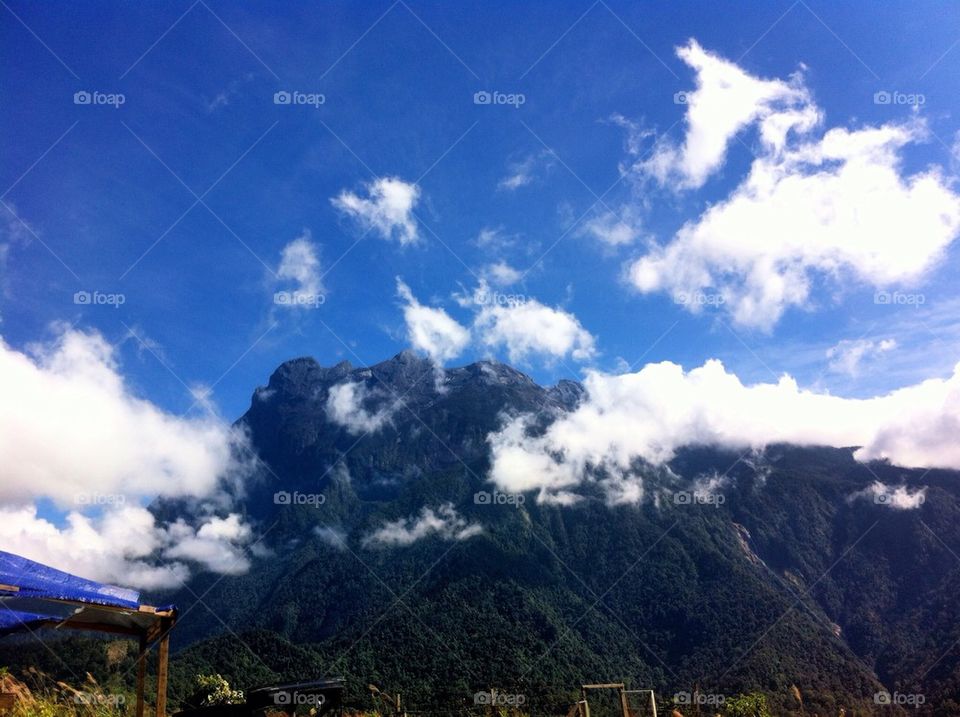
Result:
[
  {"x": 346, "y": 407},
  {"x": 444, "y": 522},
  {"x": 628, "y": 420}
]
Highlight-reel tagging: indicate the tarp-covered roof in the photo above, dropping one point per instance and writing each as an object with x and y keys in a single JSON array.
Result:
[
  {"x": 34, "y": 595},
  {"x": 41, "y": 581}
]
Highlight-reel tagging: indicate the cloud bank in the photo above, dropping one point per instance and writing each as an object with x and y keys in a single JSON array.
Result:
[
  {"x": 644, "y": 417},
  {"x": 74, "y": 434}
]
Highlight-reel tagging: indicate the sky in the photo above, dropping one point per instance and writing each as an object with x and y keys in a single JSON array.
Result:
[{"x": 194, "y": 193}]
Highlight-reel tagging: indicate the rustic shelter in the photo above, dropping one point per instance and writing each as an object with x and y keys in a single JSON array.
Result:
[{"x": 35, "y": 596}]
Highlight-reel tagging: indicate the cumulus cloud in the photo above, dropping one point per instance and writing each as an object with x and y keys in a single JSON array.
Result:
[
  {"x": 126, "y": 545},
  {"x": 74, "y": 434},
  {"x": 217, "y": 544},
  {"x": 299, "y": 272},
  {"x": 69, "y": 424},
  {"x": 895, "y": 498},
  {"x": 444, "y": 522},
  {"x": 848, "y": 356},
  {"x": 527, "y": 328},
  {"x": 838, "y": 204},
  {"x": 726, "y": 100},
  {"x": 517, "y": 324},
  {"x": 628, "y": 422},
  {"x": 345, "y": 407},
  {"x": 387, "y": 208},
  {"x": 431, "y": 330}
]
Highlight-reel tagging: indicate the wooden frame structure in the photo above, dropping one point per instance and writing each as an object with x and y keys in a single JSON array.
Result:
[
  {"x": 34, "y": 596},
  {"x": 583, "y": 706}
]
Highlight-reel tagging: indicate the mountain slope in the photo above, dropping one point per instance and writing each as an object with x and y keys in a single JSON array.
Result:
[{"x": 784, "y": 579}]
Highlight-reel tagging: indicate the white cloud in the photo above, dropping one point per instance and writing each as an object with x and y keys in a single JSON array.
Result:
[
  {"x": 216, "y": 545},
  {"x": 345, "y": 407},
  {"x": 524, "y": 172},
  {"x": 120, "y": 545},
  {"x": 388, "y": 208},
  {"x": 725, "y": 101},
  {"x": 502, "y": 274},
  {"x": 494, "y": 238},
  {"x": 432, "y": 330},
  {"x": 895, "y": 498},
  {"x": 611, "y": 229},
  {"x": 848, "y": 356},
  {"x": 300, "y": 266},
  {"x": 445, "y": 522},
  {"x": 69, "y": 425},
  {"x": 73, "y": 433},
  {"x": 528, "y": 328},
  {"x": 838, "y": 205},
  {"x": 647, "y": 415},
  {"x": 334, "y": 537}
]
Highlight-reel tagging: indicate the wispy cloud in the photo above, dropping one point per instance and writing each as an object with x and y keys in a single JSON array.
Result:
[
  {"x": 387, "y": 209},
  {"x": 444, "y": 522}
]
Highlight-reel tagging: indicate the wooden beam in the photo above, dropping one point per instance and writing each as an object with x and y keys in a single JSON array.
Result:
[
  {"x": 141, "y": 674},
  {"x": 163, "y": 659},
  {"x": 605, "y": 686}
]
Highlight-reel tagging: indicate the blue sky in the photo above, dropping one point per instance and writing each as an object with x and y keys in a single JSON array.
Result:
[
  {"x": 625, "y": 193},
  {"x": 99, "y": 185}
]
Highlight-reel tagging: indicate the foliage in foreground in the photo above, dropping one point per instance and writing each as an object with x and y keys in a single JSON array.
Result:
[{"x": 42, "y": 696}]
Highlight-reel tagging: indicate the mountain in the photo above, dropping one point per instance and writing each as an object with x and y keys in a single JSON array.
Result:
[{"x": 777, "y": 576}]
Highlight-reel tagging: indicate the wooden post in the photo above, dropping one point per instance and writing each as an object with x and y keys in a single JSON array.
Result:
[
  {"x": 163, "y": 658},
  {"x": 623, "y": 703},
  {"x": 141, "y": 673},
  {"x": 653, "y": 703}
]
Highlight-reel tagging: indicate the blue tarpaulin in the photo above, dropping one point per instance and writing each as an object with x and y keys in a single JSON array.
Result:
[
  {"x": 34, "y": 595},
  {"x": 34, "y": 580}
]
